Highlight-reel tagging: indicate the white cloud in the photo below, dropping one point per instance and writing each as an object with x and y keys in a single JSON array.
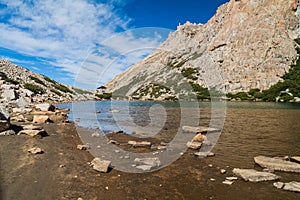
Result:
[{"x": 63, "y": 33}]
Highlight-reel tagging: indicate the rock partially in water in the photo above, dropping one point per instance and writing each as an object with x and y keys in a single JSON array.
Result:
[
  {"x": 277, "y": 164},
  {"x": 82, "y": 147},
  {"x": 8, "y": 132},
  {"x": 254, "y": 176},
  {"x": 291, "y": 186},
  {"x": 147, "y": 163},
  {"x": 227, "y": 182},
  {"x": 198, "y": 129},
  {"x": 194, "y": 145},
  {"x": 199, "y": 138},
  {"x": 100, "y": 165},
  {"x": 204, "y": 154}
]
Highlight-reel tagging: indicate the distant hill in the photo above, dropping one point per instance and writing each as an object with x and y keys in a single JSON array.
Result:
[{"x": 19, "y": 82}]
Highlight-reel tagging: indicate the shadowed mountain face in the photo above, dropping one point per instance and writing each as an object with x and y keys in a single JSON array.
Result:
[{"x": 247, "y": 44}]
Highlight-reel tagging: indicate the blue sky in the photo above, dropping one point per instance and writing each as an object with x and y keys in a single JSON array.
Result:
[{"x": 85, "y": 43}]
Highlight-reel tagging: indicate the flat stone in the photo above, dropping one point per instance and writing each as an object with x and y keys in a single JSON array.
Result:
[
  {"x": 194, "y": 145},
  {"x": 139, "y": 144},
  {"x": 144, "y": 167},
  {"x": 277, "y": 164},
  {"x": 254, "y": 176},
  {"x": 231, "y": 178},
  {"x": 204, "y": 154},
  {"x": 153, "y": 162},
  {"x": 35, "y": 150},
  {"x": 295, "y": 159},
  {"x": 227, "y": 182},
  {"x": 199, "y": 129},
  {"x": 291, "y": 186},
  {"x": 40, "y": 119},
  {"x": 33, "y": 133},
  {"x": 100, "y": 165},
  {"x": 31, "y": 127}
]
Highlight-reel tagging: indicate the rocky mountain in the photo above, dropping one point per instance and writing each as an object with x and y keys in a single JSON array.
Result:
[
  {"x": 247, "y": 44},
  {"x": 22, "y": 86}
]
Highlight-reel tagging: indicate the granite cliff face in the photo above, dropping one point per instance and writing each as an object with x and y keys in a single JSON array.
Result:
[{"x": 246, "y": 44}]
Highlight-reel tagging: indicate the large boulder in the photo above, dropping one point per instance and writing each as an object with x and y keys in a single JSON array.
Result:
[
  {"x": 9, "y": 95},
  {"x": 277, "y": 164},
  {"x": 4, "y": 119},
  {"x": 254, "y": 176},
  {"x": 45, "y": 107},
  {"x": 40, "y": 119}
]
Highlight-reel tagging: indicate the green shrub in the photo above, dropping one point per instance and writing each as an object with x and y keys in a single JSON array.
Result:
[
  {"x": 49, "y": 80},
  {"x": 106, "y": 96},
  {"x": 37, "y": 80},
  {"x": 171, "y": 98},
  {"x": 62, "y": 88},
  {"x": 34, "y": 88},
  {"x": 189, "y": 73},
  {"x": 9, "y": 80},
  {"x": 56, "y": 92}
]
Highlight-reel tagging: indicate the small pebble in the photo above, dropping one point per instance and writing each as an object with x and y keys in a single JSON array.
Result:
[
  {"x": 210, "y": 165},
  {"x": 106, "y": 187},
  {"x": 223, "y": 171}
]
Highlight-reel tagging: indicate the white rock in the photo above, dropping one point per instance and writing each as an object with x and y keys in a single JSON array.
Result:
[
  {"x": 82, "y": 147},
  {"x": 40, "y": 119},
  {"x": 232, "y": 178},
  {"x": 35, "y": 150},
  {"x": 33, "y": 133},
  {"x": 4, "y": 119},
  {"x": 277, "y": 164},
  {"x": 9, "y": 95},
  {"x": 45, "y": 107},
  {"x": 223, "y": 171},
  {"x": 227, "y": 182},
  {"x": 139, "y": 144},
  {"x": 254, "y": 176}
]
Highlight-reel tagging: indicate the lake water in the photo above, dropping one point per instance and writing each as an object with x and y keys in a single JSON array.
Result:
[{"x": 249, "y": 129}]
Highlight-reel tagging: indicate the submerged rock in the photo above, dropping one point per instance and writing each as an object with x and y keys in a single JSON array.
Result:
[
  {"x": 254, "y": 176},
  {"x": 147, "y": 163},
  {"x": 194, "y": 145},
  {"x": 291, "y": 186},
  {"x": 277, "y": 164}
]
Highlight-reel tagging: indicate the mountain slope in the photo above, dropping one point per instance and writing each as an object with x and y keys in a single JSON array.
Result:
[
  {"x": 247, "y": 44},
  {"x": 20, "y": 82}
]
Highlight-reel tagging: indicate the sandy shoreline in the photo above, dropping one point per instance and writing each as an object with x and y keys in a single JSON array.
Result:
[{"x": 63, "y": 172}]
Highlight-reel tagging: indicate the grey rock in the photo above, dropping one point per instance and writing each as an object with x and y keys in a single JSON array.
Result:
[
  {"x": 45, "y": 107},
  {"x": 100, "y": 165},
  {"x": 9, "y": 95},
  {"x": 7, "y": 132},
  {"x": 82, "y": 147},
  {"x": 139, "y": 144},
  {"x": 144, "y": 167},
  {"x": 291, "y": 186},
  {"x": 254, "y": 176},
  {"x": 277, "y": 164},
  {"x": 194, "y": 145},
  {"x": 4, "y": 119},
  {"x": 153, "y": 162},
  {"x": 34, "y": 133},
  {"x": 198, "y": 129}
]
